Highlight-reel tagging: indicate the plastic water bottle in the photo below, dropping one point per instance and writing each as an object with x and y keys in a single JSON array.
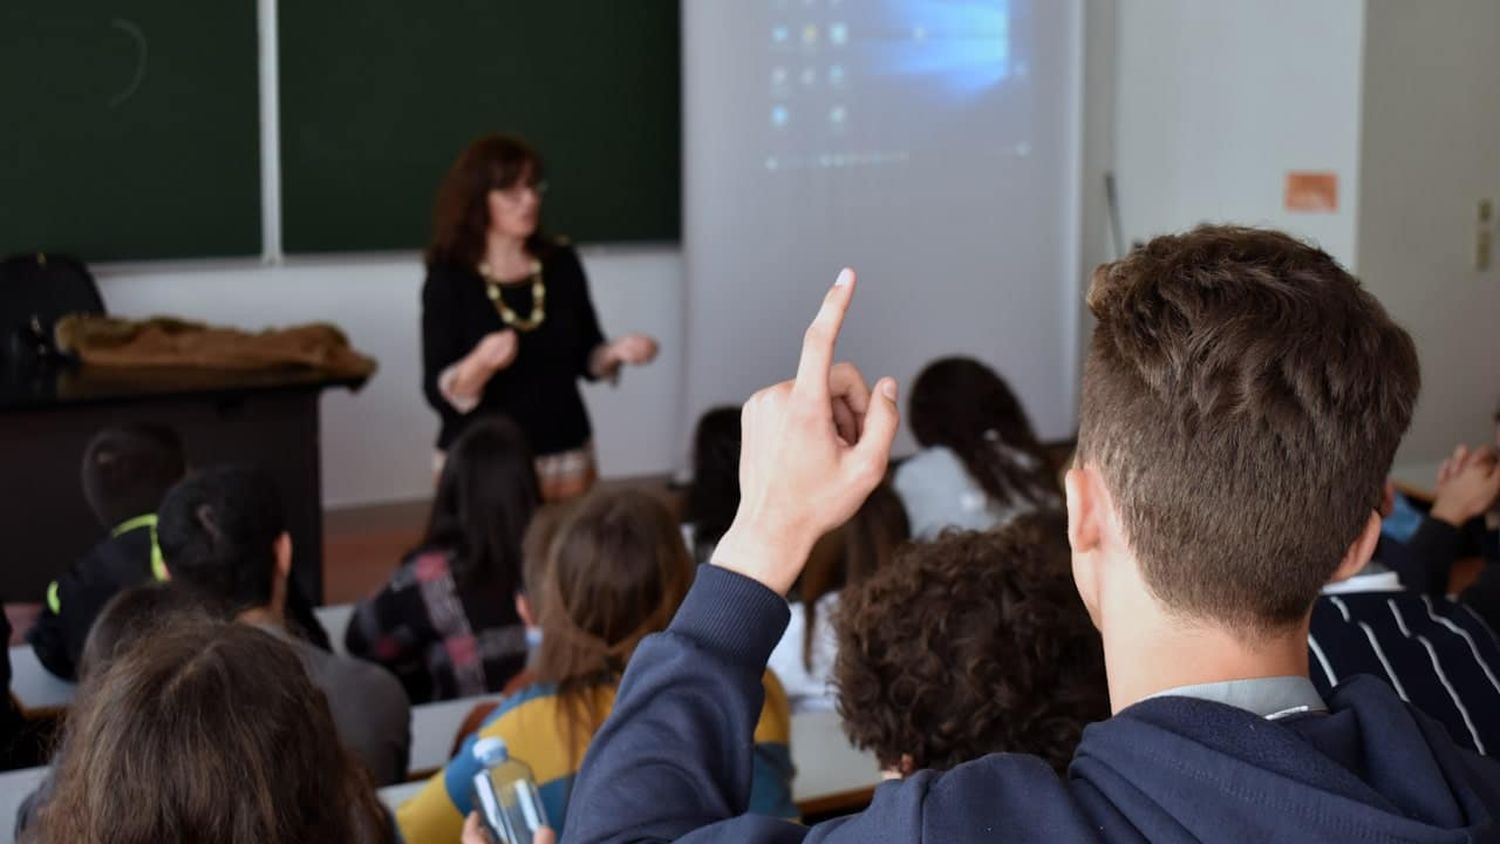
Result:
[{"x": 505, "y": 794}]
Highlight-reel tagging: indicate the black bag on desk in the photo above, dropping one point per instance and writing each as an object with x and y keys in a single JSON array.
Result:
[{"x": 36, "y": 290}]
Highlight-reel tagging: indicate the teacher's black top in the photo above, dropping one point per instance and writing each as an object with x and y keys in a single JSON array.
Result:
[{"x": 539, "y": 390}]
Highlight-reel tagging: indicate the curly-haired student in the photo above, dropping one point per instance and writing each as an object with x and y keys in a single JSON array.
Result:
[{"x": 974, "y": 644}]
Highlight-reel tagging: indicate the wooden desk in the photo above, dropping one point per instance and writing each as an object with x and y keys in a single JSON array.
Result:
[{"x": 263, "y": 418}]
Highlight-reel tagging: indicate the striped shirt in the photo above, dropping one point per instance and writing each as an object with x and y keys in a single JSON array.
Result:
[
  {"x": 1437, "y": 654},
  {"x": 532, "y": 724}
]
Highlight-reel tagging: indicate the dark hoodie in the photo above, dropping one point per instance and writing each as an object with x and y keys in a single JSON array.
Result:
[{"x": 674, "y": 760}]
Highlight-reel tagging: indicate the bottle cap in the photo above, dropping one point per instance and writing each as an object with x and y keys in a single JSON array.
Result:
[{"x": 491, "y": 751}]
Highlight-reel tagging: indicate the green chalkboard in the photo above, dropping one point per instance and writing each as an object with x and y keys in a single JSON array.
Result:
[
  {"x": 379, "y": 96},
  {"x": 129, "y": 129}
]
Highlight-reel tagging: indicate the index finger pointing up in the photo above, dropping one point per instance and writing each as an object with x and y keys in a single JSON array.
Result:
[{"x": 823, "y": 335}]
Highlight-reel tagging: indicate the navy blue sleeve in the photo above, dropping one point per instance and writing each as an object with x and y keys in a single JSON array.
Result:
[{"x": 673, "y": 761}]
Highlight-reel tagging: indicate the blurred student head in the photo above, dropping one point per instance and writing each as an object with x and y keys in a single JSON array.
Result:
[
  {"x": 127, "y": 469},
  {"x": 617, "y": 573},
  {"x": 715, "y": 493},
  {"x": 207, "y": 732},
  {"x": 961, "y": 404},
  {"x": 486, "y": 497},
  {"x": 132, "y": 615},
  {"x": 223, "y": 534}
]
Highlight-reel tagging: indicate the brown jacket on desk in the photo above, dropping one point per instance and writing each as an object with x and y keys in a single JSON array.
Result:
[{"x": 166, "y": 341}]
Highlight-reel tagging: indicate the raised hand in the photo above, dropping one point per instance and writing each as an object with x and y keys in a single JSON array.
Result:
[
  {"x": 812, "y": 450},
  {"x": 1468, "y": 484}
]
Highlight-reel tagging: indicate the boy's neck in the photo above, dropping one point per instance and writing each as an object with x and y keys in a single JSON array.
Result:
[{"x": 1150, "y": 658}]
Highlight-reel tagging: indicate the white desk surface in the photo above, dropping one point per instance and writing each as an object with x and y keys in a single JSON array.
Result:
[
  {"x": 335, "y": 620},
  {"x": 37, "y": 689},
  {"x": 33, "y": 685},
  {"x": 826, "y": 763},
  {"x": 433, "y": 726},
  {"x": 14, "y": 787}
]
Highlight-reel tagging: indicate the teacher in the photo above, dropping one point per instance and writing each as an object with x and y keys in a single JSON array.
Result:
[{"x": 507, "y": 322}]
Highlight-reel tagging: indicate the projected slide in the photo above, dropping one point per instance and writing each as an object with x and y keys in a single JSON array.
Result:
[{"x": 861, "y": 83}]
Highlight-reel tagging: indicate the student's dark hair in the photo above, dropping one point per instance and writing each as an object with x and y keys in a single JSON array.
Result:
[
  {"x": 976, "y": 643},
  {"x": 715, "y": 493},
  {"x": 218, "y": 531},
  {"x": 207, "y": 732},
  {"x": 1243, "y": 398},
  {"x": 866, "y": 543},
  {"x": 618, "y": 572},
  {"x": 486, "y": 496},
  {"x": 127, "y": 469},
  {"x": 461, "y": 215},
  {"x": 132, "y": 615},
  {"x": 965, "y": 406}
]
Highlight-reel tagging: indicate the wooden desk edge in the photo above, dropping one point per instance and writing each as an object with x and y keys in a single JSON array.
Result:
[{"x": 838, "y": 802}]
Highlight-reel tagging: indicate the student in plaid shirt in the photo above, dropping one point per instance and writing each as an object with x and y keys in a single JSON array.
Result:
[{"x": 446, "y": 622}]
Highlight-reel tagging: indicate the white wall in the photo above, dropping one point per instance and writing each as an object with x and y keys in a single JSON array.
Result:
[
  {"x": 1431, "y": 152},
  {"x": 1217, "y": 100},
  {"x": 377, "y": 444}
]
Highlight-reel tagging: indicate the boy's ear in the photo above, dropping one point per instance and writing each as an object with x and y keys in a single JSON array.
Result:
[
  {"x": 523, "y": 609},
  {"x": 1360, "y": 550},
  {"x": 283, "y": 549}
]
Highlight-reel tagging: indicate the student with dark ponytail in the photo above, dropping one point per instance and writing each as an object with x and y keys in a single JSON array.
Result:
[
  {"x": 981, "y": 464},
  {"x": 445, "y": 622},
  {"x": 617, "y": 571}
]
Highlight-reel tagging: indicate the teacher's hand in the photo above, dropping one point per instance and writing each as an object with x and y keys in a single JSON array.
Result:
[
  {"x": 634, "y": 349},
  {"x": 812, "y": 450},
  {"x": 494, "y": 352}
]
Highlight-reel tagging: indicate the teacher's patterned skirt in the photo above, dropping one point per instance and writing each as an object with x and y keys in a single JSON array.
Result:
[{"x": 567, "y": 474}]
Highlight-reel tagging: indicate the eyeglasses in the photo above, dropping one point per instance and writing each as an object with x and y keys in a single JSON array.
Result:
[{"x": 518, "y": 192}]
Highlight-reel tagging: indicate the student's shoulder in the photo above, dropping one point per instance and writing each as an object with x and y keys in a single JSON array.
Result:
[
  {"x": 775, "y": 723},
  {"x": 421, "y": 566},
  {"x": 350, "y": 678},
  {"x": 441, "y": 280},
  {"x": 111, "y": 564},
  {"x": 526, "y": 703}
]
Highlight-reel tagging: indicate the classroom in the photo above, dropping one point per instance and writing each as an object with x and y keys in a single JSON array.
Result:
[{"x": 769, "y": 420}]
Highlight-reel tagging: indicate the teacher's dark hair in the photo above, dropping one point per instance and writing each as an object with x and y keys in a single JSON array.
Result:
[
  {"x": 461, "y": 216},
  {"x": 486, "y": 497}
]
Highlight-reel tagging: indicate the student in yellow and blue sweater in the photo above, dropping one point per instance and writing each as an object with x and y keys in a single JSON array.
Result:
[{"x": 615, "y": 572}]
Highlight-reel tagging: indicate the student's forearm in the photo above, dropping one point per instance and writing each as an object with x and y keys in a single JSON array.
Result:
[{"x": 677, "y": 751}]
